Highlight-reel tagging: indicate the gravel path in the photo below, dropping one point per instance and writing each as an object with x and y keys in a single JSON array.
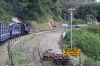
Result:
[{"x": 51, "y": 42}]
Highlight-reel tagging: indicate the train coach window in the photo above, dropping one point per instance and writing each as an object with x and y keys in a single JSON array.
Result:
[
  {"x": 24, "y": 24},
  {"x": 0, "y": 28},
  {"x": 27, "y": 24}
]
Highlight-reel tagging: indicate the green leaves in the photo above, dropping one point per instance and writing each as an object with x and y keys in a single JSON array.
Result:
[
  {"x": 83, "y": 11},
  {"x": 37, "y": 9},
  {"x": 24, "y": 3},
  {"x": 78, "y": 21},
  {"x": 5, "y": 11}
]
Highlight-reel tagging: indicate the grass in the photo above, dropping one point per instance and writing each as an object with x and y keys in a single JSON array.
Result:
[
  {"x": 16, "y": 59},
  {"x": 87, "y": 60},
  {"x": 44, "y": 26},
  {"x": 40, "y": 26},
  {"x": 83, "y": 57}
]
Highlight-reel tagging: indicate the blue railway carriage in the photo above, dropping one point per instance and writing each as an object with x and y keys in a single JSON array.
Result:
[
  {"x": 4, "y": 31},
  {"x": 15, "y": 29},
  {"x": 8, "y": 30}
]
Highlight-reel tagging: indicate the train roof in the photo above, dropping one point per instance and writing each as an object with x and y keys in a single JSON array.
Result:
[{"x": 3, "y": 22}]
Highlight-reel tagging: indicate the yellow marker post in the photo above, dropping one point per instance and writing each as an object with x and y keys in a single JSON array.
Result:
[{"x": 71, "y": 52}]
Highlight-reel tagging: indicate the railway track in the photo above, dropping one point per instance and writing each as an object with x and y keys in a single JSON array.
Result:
[
  {"x": 28, "y": 49},
  {"x": 38, "y": 55},
  {"x": 50, "y": 43},
  {"x": 41, "y": 63},
  {"x": 33, "y": 51}
]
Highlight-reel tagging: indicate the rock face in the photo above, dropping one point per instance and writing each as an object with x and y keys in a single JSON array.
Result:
[{"x": 51, "y": 24}]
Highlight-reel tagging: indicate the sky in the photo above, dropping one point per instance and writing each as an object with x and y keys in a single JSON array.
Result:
[{"x": 97, "y": 0}]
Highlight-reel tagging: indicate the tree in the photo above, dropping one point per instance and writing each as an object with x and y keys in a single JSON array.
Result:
[
  {"x": 5, "y": 10},
  {"x": 83, "y": 11},
  {"x": 37, "y": 9},
  {"x": 96, "y": 7}
]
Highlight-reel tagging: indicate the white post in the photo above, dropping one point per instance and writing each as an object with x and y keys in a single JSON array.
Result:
[
  {"x": 65, "y": 21},
  {"x": 71, "y": 24}
]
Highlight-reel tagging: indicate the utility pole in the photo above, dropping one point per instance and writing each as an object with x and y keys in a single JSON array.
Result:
[
  {"x": 65, "y": 21},
  {"x": 71, "y": 9}
]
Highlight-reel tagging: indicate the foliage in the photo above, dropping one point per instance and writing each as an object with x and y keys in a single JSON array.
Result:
[
  {"x": 90, "y": 62},
  {"x": 38, "y": 9},
  {"x": 83, "y": 11},
  {"x": 92, "y": 29},
  {"x": 66, "y": 4},
  {"x": 88, "y": 39},
  {"x": 16, "y": 60},
  {"x": 96, "y": 7},
  {"x": 5, "y": 11},
  {"x": 78, "y": 21},
  {"x": 91, "y": 11}
]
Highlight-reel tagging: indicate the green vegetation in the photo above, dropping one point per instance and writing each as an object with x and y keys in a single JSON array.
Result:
[
  {"x": 78, "y": 21},
  {"x": 41, "y": 10},
  {"x": 38, "y": 10},
  {"x": 84, "y": 11},
  {"x": 90, "y": 62},
  {"x": 16, "y": 60},
  {"x": 96, "y": 7},
  {"x": 86, "y": 38},
  {"x": 39, "y": 26},
  {"x": 88, "y": 12},
  {"x": 4, "y": 11}
]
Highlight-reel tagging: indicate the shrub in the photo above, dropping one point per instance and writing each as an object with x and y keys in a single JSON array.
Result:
[{"x": 78, "y": 21}]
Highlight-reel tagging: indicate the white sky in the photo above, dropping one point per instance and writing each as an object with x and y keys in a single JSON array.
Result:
[{"x": 97, "y": 0}]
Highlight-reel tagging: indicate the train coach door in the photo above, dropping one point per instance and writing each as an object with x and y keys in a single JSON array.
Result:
[
  {"x": 7, "y": 30},
  {"x": 0, "y": 31},
  {"x": 10, "y": 29}
]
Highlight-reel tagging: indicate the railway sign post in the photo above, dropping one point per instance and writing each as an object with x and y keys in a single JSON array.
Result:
[
  {"x": 71, "y": 9},
  {"x": 71, "y": 52}
]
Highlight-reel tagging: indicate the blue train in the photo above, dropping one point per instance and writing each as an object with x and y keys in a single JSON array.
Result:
[{"x": 8, "y": 30}]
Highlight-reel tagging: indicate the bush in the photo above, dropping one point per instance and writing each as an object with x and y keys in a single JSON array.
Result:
[
  {"x": 93, "y": 29},
  {"x": 90, "y": 62},
  {"x": 89, "y": 43},
  {"x": 78, "y": 21}
]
